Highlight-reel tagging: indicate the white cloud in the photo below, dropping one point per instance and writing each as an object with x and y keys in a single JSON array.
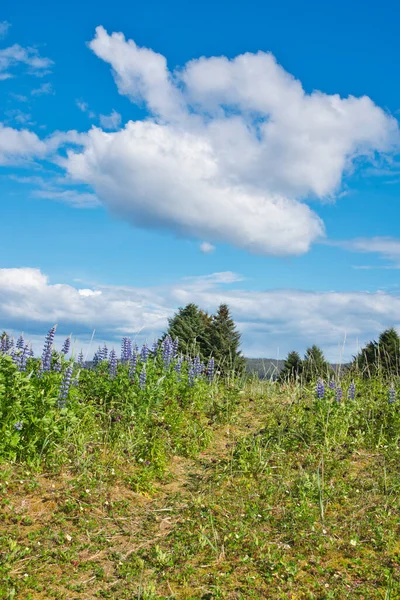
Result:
[
  {"x": 44, "y": 89},
  {"x": 16, "y": 55},
  {"x": 206, "y": 248},
  {"x": 269, "y": 320},
  {"x": 84, "y": 107},
  {"x": 385, "y": 247},
  {"x": 19, "y": 145},
  {"x": 231, "y": 149},
  {"x": 4, "y": 27},
  {"x": 112, "y": 121}
]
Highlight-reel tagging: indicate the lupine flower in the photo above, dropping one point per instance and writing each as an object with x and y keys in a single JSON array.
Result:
[
  {"x": 65, "y": 385},
  {"x": 178, "y": 366},
  {"x": 31, "y": 352},
  {"x": 339, "y": 394},
  {"x": 66, "y": 346},
  {"x": 154, "y": 348},
  {"x": 144, "y": 353},
  {"x": 142, "y": 378},
  {"x": 210, "y": 369},
  {"x": 320, "y": 390},
  {"x": 48, "y": 345},
  {"x": 332, "y": 384},
  {"x": 105, "y": 352},
  {"x": 351, "y": 393},
  {"x": 57, "y": 365},
  {"x": 20, "y": 342},
  {"x": 175, "y": 347},
  {"x": 392, "y": 395},
  {"x": 126, "y": 349},
  {"x": 23, "y": 358},
  {"x": 80, "y": 359},
  {"x": 167, "y": 351},
  {"x": 18, "y": 425},
  {"x": 112, "y": 363},
  {"x": 132, "y": 364},
  {"x": 191, "y": 374},
  {"x": 96, "y": 359}
]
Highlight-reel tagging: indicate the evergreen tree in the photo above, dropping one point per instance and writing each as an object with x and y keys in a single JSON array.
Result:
[
  {"x": 292, "y": 368},
  {"x": 225, "y": 342},
  {"x": 191, "y": 326},
  {"x": 380, "y": 356},
  {"x": 315, "y": 365}
]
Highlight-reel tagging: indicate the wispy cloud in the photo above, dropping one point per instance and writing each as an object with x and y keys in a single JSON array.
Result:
[
  {"x": 111, "y": 122},
  {"x": 44, "y": 89},
  {"x": 4, "y": 27},
  {"x": 17, "y": 56},
  {"x": 84, "y": 107},
  {"x": 207, "y": 248},
  {"x": 385, "y": 247}
]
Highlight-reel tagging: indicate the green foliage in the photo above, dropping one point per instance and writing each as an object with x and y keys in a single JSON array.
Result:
[
  {"x": 380, "y": 356},
  {"x": 225, "y": 342},
  {"x": 315, "y": 365},
  {"x": 292, "y": 368},
  {"x": 190, "y": 325}
]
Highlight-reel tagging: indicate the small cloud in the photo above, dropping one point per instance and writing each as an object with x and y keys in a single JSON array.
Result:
[
  {"x": 207, "y": 248},
  {"x": 16, "y": 56},
  {"x": 84, "y": 107},
  {"x": 45, "y": 88},
  {"x": 112, "y": 121},
  {"x": 4, "y": 27},
  {"x": 19, "y": 97}
]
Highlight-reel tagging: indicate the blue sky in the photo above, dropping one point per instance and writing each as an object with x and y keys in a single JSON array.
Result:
[{"x": 238, "y": 152}]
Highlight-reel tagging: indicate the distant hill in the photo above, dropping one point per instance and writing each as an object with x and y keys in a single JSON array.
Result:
[{"x": 269, "y": 368}]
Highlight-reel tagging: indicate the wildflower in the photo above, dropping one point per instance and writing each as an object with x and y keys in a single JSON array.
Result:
[
  {"x": 191, "y": 374},
  {"x": 339, "y": 394},
  {"x": 66, "y": 346},
  {"x": 112, "y": 363},
  {"x": 392, "y": 395},
  {"x": 48, "y": 345},
  {"x": 210, "y": 369},
  {"x": 178, "y": 365},
  {"x": 175, "y": 347},
  {"x": 80, "y": 360},
  {"x": 20, "y": 342},
  {"x": 126, "y": 349},
  {"x": 320, "y": 389},
  {"x": 332, "y": 384},
  {"x": 23, "y": 358},
  {"x": 351, "y": 393},
  {"x": 154, "y": 348},
  {"x": 167, "y": 351},
  {"x": 65, "y": 385},
  {"x": 57, "y": 365},
  {"x": 144, "y": 353},
  {"x": 142, "y": 378},
  {"x": 18, "y": 425},
  {"x": 105, "y": 352}
]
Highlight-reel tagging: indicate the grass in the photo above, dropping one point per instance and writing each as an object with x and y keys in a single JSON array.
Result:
[{"x": 286, "y": 497}]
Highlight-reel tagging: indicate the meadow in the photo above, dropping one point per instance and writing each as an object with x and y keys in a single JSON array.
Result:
[{"x": 148, "y": 476}]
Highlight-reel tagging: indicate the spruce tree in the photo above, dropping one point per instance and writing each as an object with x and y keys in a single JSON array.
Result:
[
  {"x": 292, "y": 368},
  {"x": 382, "y": 356},
  {"x": 191, "y": 326},
  {"x": 225, "y": 342},
  {"x": 315, "y": 365}
]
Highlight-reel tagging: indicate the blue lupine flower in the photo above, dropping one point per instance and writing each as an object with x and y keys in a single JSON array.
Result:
[
  {"x": 142, "y": 378},
  {"x": 20, "y": 342},
  {"x": 18, "y": 425},
  {"x": 320, "y": 390},
  {"x": 112, "y": 363},
  {"x": 66, "y": 346},
  {"x": 351, "y": 392},
  {"x": 191, "y": 374},
  {"x": 178, "y": 366},
  {"x": 80, "y": 360},
  {"x": 48, "y": 345},
  {"x": 126, "y": 349},
  {"x": 339, "y": 394},
  {"x": 175, "y": 347},
  {"x": 24, "y": 357},
  {"x": 332, "y": 384},
  {"x": 3, "y": 344},
  {"x": 31, "y": 352},
  {"x": 154, "y": 348},
  {"x": 132, "y": 364},
  {"x": 198, "y": 366},
  {"x": 65, "y": 385},
  {"x": 105, "y": 352},
  {"x": 392, "y": 395},
  {"x": 57, "y": 365},
  {"x": 210, "y": 369},
  {"x": 167, "y": 351},
  {"x": 144, "y": 353}
]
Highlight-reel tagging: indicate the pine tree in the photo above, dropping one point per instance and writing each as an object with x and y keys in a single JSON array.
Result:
[
  {"x": 315, "y": 365},
  {"x": 380, "y": 356},
  {"x": 191, "y": 326},
  {"x": 225, "y": 342},
  {"x": 292, "y": 368}
]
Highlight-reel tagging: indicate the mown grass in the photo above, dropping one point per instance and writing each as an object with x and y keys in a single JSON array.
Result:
[{"x": 288, "y": 497}]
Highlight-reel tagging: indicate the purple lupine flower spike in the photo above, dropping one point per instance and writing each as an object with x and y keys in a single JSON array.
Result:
[
  {"x": 23, "y": 358},
  {"x": 105, "y": 352},
  {"x": 175, "y": 347},
  {"x": 126, "y": 349},
  {"x": 191, "y": 374},
  {"x": 65, "y": 385},
  {"x": 332, "y": 384},
  {"x": 48, "y": 346},
  {"x": 392, "y": 395},
  {"x": 210, "y": 369},
  {"x": 66, "y": 346},
  {"x": 132, "y": 364},
  {"x": 320, "y": 389},
  {"x": 112, "y": 363},
  {"x": 144, "y": 353},
  {"x": 80, "y": 360},
  {"x": 20, "y": 342},
  {"x": 351, "y": 393},
  {"x": 57, "y": 365},
  {"x": 339, "y": 394},
  {"x": 142, "y": 378}
]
